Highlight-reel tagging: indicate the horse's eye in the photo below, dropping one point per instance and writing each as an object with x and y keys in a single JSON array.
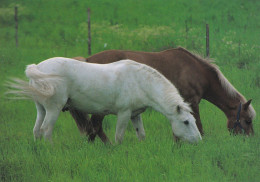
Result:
[
  {"x": 186, "y": 122},
  {"x": 248, "y": 121}
]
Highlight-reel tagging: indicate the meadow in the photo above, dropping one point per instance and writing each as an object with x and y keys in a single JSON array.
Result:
[{"x": 59, "y": 28}]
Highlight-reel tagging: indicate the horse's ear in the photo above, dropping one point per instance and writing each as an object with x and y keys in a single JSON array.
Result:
[
  {"x": 178, "y": 108},
  {"x": 246, "y": 105}
]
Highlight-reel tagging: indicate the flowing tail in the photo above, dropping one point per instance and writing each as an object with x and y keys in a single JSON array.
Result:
[{"x": 40, "y": 85}]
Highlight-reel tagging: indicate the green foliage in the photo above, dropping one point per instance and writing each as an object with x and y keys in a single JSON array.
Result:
[{"x": 58, "y": 28}]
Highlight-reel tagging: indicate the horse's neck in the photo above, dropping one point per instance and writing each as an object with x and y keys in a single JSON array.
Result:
[
  {"x": 164, "y": 103},
  {"x": 225, "y": 101}
]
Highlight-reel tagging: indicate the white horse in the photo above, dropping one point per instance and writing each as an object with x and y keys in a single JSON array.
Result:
[{"x": 125, "y": 88}]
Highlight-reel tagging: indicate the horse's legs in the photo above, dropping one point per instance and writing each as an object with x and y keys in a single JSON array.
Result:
[
  {"x": 83, "y": 121},
  {"x": 138, "y": 125},
  {"x": 97, "y": 125},
  {"x": 122, "y": 120},
  {"x": 196, "y": 114},
  {"x": 91, "y": 127},
  {"x": 49, "y": 121},
  {"x": 40, "y": 117}
]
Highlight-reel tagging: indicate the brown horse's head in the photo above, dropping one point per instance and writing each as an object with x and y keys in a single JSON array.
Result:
[{"x": 241, "y": 122}]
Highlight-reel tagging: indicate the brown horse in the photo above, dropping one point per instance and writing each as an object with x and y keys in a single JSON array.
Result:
[{"x": 195, "y": 77}]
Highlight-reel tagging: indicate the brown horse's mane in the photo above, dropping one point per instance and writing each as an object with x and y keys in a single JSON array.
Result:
[
  {"x": 210, "y": 63},
  {"x": 226, "y": 85}
]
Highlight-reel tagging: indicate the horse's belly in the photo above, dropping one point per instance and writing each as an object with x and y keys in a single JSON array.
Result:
[
  {"x": 94, "y": 105},
  {"x": 106, "y": 105}
]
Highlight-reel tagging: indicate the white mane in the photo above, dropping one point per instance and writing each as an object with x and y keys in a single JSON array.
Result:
[{"x": 170, "y": 92}]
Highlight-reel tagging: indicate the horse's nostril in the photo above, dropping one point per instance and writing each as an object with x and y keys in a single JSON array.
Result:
[{"x": 186, "y": 122}]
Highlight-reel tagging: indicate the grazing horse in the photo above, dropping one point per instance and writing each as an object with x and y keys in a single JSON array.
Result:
[
  {"x": 124, "y": 88},
  {"x": 195, "y": 78}
]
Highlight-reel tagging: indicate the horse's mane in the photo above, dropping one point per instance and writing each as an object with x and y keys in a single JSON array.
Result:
[
  {"x": 210, "y": 63},
  {"x": 226, "y": 85},
  {"x": 171, "y": 93}
]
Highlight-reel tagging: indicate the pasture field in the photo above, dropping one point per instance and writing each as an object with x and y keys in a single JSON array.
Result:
[{"x": 58, "y": 28}]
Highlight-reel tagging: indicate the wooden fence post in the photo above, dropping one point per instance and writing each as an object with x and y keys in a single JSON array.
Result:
[
  {"x": 16, "y": 24},
  {"x": 207, "y": 40},
  {"x": 89, "y": 33}
]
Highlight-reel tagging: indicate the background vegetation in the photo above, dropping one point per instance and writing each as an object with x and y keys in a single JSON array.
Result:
[{"x": 58, "y": 28}]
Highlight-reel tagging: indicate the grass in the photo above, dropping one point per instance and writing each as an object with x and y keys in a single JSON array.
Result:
[
  {"x": 220, "y": 157},
  {"x": 58, "y": 28}
]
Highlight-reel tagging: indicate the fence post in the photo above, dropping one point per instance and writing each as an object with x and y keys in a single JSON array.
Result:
[
  {"x": 89, "y": 33},
  {"x": 207, "y": 40},
  {"x": 16, "y": 24}
]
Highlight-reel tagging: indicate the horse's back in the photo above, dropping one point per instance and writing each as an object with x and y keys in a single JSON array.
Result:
[{"x": 69, "y": 67}]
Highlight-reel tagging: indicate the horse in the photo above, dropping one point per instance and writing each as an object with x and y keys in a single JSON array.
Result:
[
  {"x": 124, "y": 88},
  {"x": 196, "y": 78}
]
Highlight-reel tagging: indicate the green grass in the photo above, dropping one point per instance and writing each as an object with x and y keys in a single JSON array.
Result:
[{"x": 58, "y": 28}]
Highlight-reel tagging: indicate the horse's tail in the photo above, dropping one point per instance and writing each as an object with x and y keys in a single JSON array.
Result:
[{"x": 40, "y": 85}]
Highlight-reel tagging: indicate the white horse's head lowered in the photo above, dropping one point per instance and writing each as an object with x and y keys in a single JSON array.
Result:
[{"x": 183, "y": 124}]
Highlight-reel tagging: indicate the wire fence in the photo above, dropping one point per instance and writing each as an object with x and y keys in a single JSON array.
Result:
[{"x": 188, "y": 37}]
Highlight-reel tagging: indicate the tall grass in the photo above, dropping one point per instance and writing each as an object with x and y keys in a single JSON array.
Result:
[{"x": 58, "y": 28}]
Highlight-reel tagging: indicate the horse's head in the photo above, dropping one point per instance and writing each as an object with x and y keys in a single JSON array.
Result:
[
  {"x": 184, "y": 126},
  {"x": 241, "y": 121}
]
